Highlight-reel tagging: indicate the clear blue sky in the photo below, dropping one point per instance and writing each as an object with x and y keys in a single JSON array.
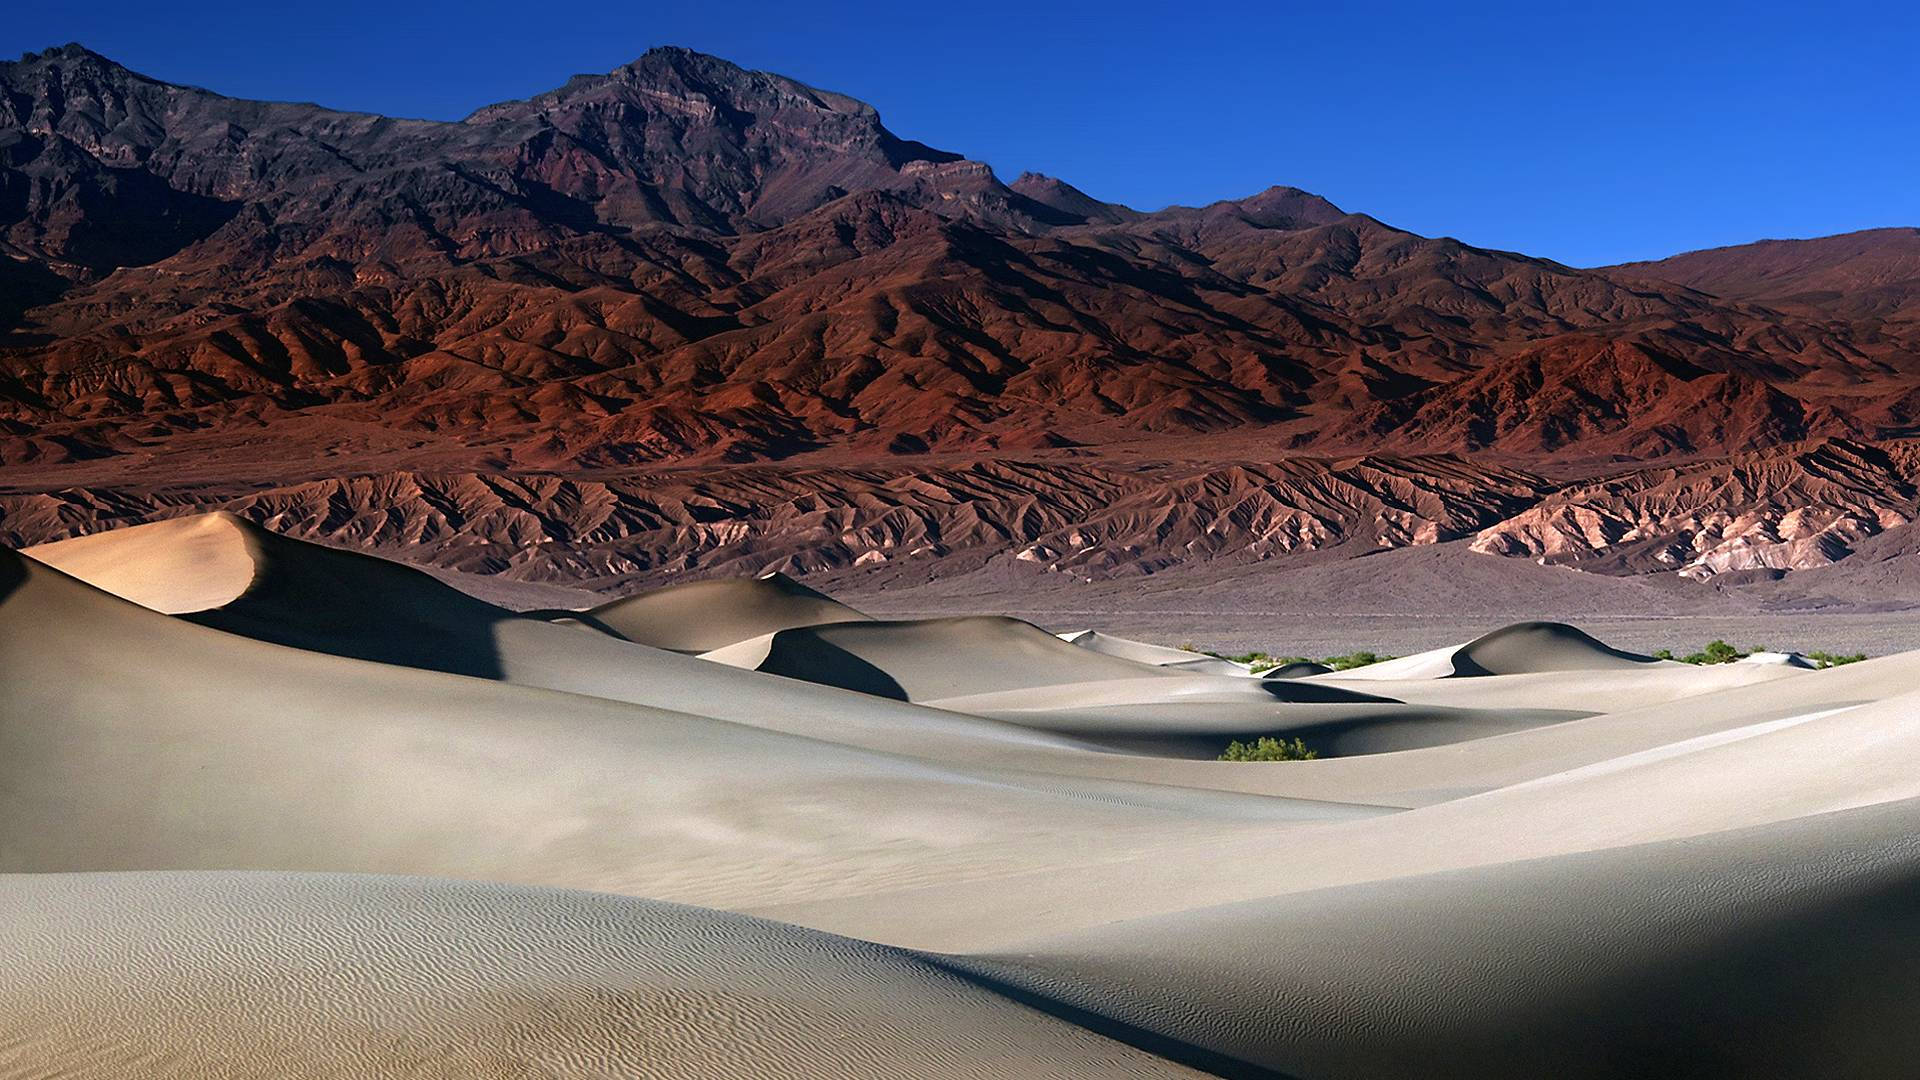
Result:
[{"x": 1589, "y": 134}]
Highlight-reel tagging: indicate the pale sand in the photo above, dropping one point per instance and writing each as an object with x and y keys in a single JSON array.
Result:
[
  {"x": 1148, "y": 653},
  {"x": 1570, "y": 862},
  {"x": 703, "y": 615},
  {"x": 181, "y": 565},
  {"x": 229, "y": 975}
]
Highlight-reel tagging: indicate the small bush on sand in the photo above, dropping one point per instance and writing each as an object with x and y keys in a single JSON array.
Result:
[
  {"x": 1258, "y": 662},
  {"x": 1716, "y": 652},
  {"x": 1827, "y": 659},
  {"x": 1267, "y": 748},
  {"x": 1719, "y": 652}
]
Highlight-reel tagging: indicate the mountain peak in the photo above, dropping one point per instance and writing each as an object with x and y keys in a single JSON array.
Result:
[
  {"x": 1073, "y": 205},
  {"x": 717, "y": 146},
  {"x": 680, "y": 72},
  {"x": 69, "y": 54},
  {"x": 73, "y": 64},
  {"x": 1293, "y": 204},
  {"x": 72, "y": 50}
]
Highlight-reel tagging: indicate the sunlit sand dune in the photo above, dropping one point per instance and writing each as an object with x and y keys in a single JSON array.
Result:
[
  {"x": 704, "y": 615},
  {"x": 186, "y": 564}
]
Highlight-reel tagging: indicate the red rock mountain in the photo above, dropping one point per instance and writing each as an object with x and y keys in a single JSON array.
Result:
[{"x": 687, "y": 316}]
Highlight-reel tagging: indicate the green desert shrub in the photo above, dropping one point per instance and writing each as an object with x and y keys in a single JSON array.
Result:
[
  {"x": 1353, "y": 660},
  {"x": 1827, "y": 659},
  {"x": 1719, "y": 652},
  {"x": 1251, "y": 659},
  {"x": 1716, "y": 652},
  {"x": 1258, "y": 662},
  {"x": 1268, "y": 748}
]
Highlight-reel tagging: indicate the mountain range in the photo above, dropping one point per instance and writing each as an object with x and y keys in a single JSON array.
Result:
[{"x": 685, "y": 317}]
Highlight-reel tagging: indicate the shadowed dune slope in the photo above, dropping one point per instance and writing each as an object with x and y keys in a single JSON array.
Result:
[
  {"x": 1331, "y": 728},
  {"x": 1541, "y": 646},
  {"x": 1781, "y": 950},
  {"x": 704, "y": 615},
  {"x": 324, "y": 975}
]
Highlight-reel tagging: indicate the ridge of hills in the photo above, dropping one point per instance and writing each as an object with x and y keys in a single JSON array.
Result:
[{"x": 687, "y": 317}]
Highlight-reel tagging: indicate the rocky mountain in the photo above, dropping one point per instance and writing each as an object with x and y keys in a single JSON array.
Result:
[{"x": 687, "y": 317}]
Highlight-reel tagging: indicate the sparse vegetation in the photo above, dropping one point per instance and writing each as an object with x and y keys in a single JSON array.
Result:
[
  {"x": 1268, "y": 748},
  {"x": 1827, "y": 659},
  {"x": 1258, "y": 662},
  {"x": 1716, "y": 652},
  {"x": 1719, "y": 652}
]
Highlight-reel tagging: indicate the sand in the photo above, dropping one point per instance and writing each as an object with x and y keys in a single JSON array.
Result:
[
  {"x": 236, "y": 974},
  {"x": 186, "y": 564},
  {"x": 704, "y": 615},
  {"x": 273, "y": 809}
]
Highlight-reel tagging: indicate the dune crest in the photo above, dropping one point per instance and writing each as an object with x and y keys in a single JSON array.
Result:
[
  {"x": 175, "y": 566},
  {"x": 1520, "y": 649},
  {"x": 700, "y": 616}
]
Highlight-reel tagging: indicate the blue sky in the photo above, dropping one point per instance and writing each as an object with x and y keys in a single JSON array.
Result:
[{"x": 1589, "y": 133}]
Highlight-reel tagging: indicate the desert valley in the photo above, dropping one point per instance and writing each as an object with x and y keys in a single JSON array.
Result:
[{"x": 670, "y": 578}]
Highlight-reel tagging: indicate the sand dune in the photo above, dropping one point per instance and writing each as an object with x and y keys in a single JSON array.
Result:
[
  {"x": 1530, "y": 854},
  {"x": 919, "y": 660},
  {"x": 186, "y": 564},
  {"x": 704, "y": 615},
  {"x": 1520, "y": 649},
  {"x": 1148, "y": 653},
  {"x": 289, "y": 592}
]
